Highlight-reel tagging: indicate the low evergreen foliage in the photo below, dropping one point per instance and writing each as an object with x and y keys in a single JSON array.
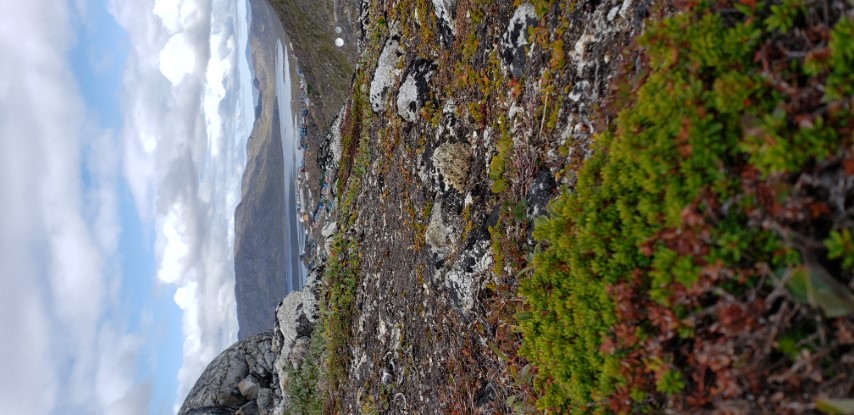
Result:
[{"x": 662, "y": 224}]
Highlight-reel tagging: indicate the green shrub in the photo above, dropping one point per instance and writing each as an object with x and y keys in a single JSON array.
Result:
[{"x": 704, "y": 114}]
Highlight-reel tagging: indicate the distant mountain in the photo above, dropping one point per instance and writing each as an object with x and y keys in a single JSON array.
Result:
[{"x": 260, "y": 265}]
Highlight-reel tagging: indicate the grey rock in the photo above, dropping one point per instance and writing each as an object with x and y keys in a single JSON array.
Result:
[
  {"x": 440, "y": 233},
  {"x": 216, "y": 391},
  {"x": 250, "y": 408},
  {"x": 539, "y": 195},
  {"x": 515, "y": 38},
  {"x": 266, "y": 401},
  {"x": 415, "y": 88},
  {"x": 211, "y": 410},
  {"x": 248, "y": 387},
  {"x": 464, "y": 276},
  {"x": 386, "y": 72},
  {"x": 294, "y": 320}
]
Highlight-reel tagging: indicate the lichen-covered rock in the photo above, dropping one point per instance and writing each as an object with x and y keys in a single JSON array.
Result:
[
  {"x": 515, "y": 38},
  {"x": 453, "y": 161},
  {"x": 445, "y": 17},
  {"x": 299, "y": 351},
  {"x": 295, "y": 319},
  {"x": 387, "y": 71},
  {"x": 217, "y": 391},
  {"x": 464, "y": 276},
  {"x": 291, "y": 322},
  {"x": 415, "y": 88},
  {"x": 440, "y": 232}
]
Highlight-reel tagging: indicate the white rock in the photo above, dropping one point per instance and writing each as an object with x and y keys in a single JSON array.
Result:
[
  {"x": 445, "y": 13},
  {"x": 413, "y": 91},
  {"x": 625, "y": 8},
  {"x": 329, "y": 229},
  {"x": 515, "y": 38},
  {"x": 463, "y": 278},
  {"x": 612, "y": 14},
  {"x": 386, "y": 72},
  {"x": 407, "y": 95},
  {"x": 288, "y": 314},
  {"x": 335, "y": 141}
]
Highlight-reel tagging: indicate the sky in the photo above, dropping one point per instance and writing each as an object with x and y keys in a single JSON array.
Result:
[{"x": 123, "y": 126}]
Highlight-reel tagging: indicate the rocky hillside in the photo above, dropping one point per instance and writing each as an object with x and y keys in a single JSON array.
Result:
[
  {"x": 259, "y": 223},
  {"x": 604, "y": 207}
]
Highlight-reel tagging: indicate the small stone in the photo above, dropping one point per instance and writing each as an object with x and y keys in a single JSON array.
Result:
[
  {"x": 248, "y": 387},
  {"x": 329, "y": 229}
]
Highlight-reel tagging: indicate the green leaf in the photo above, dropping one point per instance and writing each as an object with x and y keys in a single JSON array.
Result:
[
  {"x": 523, "y": 315},
  {"x": 835, "y": 406},
  {"x": 498, "y": 352},
  {"x": 511, "y": 400},
  {"x": 811, "y": 283},
  {"x": 524, "y": 376}
]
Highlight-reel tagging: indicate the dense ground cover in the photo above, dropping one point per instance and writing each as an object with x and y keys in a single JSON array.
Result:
[{"x": 703, "y": 261}]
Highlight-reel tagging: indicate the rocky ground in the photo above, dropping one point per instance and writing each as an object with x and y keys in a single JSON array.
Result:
[
  {"x": 465, "y": 118},
  {"x": 442, "y": 91}
]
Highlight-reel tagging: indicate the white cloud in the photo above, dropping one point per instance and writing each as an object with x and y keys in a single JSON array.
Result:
[
  {"x": 57, "y": 238},
  {"x": 177, "y": 59},
  {"x": 183, "y": 158}
]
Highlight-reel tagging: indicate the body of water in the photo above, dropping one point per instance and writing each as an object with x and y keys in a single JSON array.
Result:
[{"x": 289, "y": 107}]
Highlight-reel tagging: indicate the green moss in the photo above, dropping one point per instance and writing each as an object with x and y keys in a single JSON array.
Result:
[{"x": 498, "y": 164}]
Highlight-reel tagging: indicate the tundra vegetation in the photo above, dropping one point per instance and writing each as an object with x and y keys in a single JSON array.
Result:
[{"x": 697, "y": 256}]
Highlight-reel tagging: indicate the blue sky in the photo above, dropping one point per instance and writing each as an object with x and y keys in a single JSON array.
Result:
[
  {"x": 123, "y": 127},
  {"x": 97, "y": 61}
]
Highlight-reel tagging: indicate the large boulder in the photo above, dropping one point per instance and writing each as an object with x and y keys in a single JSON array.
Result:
[{"x": 218, "y": 391}]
